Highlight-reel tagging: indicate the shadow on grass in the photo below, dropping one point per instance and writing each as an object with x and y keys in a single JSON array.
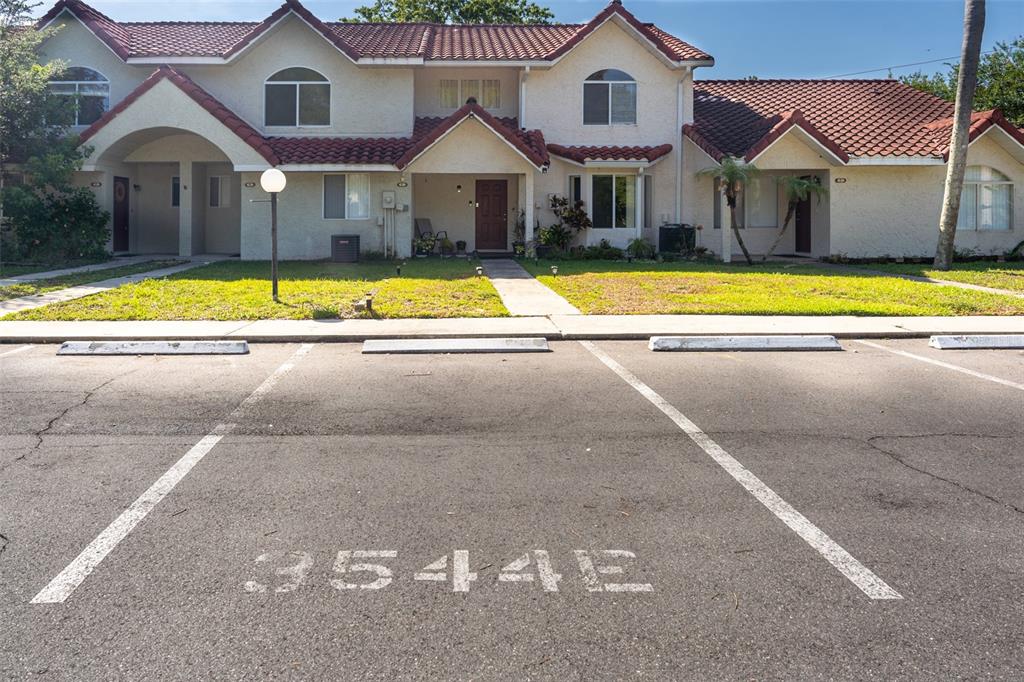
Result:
[{"x": 367, "y": 271}]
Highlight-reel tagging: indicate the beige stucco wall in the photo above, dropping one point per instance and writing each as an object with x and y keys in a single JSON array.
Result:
[
  {"x": 303, "y": 233},
  {"x": 471, "y": 148},
  {"x": 437, "y": 197},
  {"x": 221, "y": 226},
  {"x": 364, "y": 101},
  {"x": 76, "y": 45},
  {"x": 789, "y": 152},
  {"x": 894, "y": 210},
  {"x": 156, "y": 227},
  {"x": 428, "y": 88}
]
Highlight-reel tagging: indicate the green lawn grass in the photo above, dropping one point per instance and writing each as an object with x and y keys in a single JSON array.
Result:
[
  {"x": 43, "y": 286},
  {"x": 236, "y": 290},
  {"x": 1008, "y": 276},
  {"x": 18, "y": 269},
  {"x": 614, "y": 288}
]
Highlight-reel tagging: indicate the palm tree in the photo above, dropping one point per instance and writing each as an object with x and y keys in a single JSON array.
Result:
[
  {"x": 797, "y": 189},
  {"x": 732, "y": 176},
  {"x": 967, "y": 79}
]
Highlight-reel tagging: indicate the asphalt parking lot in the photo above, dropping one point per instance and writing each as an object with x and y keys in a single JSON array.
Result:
[{"x": 599, "y": 511}]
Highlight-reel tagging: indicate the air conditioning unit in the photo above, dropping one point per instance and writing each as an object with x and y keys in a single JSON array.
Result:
[{"x": 345, "y": 248}]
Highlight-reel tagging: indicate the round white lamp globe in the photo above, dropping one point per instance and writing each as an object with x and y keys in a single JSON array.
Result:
[{"x": 272, "y": 181}]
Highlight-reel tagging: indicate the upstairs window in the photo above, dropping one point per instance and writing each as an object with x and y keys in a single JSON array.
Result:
[
  {"x": 987, "y": 200},
  {"x": 297, "y": 97},
  {"x": 454, "y": 93},
  {"x": 90, "y": 91},
  {"x": 609, "y": 98}
]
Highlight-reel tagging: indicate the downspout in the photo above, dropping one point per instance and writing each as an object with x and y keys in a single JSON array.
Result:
[
  {"x": 524, "y": 74},
  {"x": 680, "y": 121}
]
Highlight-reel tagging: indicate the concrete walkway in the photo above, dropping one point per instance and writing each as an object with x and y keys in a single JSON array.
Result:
[
  {"x": 521, "y": 293},
  {"x": 71, "y": 293},
  {"x": 555, "y": 327},
  {"x": 92, "y": 267}
]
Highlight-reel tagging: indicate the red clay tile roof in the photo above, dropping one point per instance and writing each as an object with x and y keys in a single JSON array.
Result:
[
  {"x": 496, "y": 42},
  {"x": 851, "y": 117},
  {"x": 584, "y": 154},
  {"x": 239, "y": 127},
  {"x": 528, "y": 142},
  {"x": 981, "y": 121}
]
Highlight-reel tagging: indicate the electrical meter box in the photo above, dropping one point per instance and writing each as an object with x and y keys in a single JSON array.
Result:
[{"x": 388, "y": 198}]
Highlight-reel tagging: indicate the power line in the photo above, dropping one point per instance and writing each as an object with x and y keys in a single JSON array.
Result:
[{"x": 900, "y": 66}]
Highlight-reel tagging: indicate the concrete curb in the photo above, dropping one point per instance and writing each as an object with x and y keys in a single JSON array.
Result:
[
  {"x": 553, "y": 328},
  {"x": 692, "y": 344},
  {"x": 464, "y": 345},
  {"x": 154, "y": 348},
  {"x": 978, "y": 342}
]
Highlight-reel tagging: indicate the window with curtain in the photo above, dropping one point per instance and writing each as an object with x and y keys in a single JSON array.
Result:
[
  {"x": 609, "y": 98},
  {"x": 297, "y": 97},
  {"x": 986, "y": 202},
  {"x": 470, "y": 88},
  {"x": 490, "y": 94},
  {"x": 449, "y": 94},
  {"x": 346, "y": 196},
  {"x": 575, "y": 188},
  {"x": 613, "y": 201},
  {"x": 90, "y": 91},
  {"x": 761, "y": 202}
]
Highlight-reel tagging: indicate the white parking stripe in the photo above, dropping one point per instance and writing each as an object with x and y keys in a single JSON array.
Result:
[
  {"x": 16, "y": 350},
  {"x": 68, "y": 580},
  {"x": 856, "y": 572},
  {"x": 940, "y": 363}
]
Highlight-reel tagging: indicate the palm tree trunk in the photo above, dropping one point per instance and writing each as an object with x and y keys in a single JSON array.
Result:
[
  {"x": 782, "y": 231},
  {"x": 739, "y": 237},
  {"x": 974, "y": 26}
]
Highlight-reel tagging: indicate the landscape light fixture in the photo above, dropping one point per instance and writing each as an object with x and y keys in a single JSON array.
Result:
[
  {"x": 479, "y": 271},
  {"x": 554, "y": 270},
  {"x": 273, "y": 182}
]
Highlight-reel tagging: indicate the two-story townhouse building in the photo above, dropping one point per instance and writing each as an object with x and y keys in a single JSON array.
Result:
[{"x": 377, "y": 126}]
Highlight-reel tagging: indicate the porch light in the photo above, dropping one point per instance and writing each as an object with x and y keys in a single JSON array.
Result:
[{"x": 458, "y": 188}]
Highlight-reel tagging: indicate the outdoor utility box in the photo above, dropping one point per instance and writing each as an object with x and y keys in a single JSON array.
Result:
[
  {"x": 676, "y": 238},
  {"x": 345, "y": 248}
]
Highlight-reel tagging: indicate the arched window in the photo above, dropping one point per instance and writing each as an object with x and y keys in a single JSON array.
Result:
[
  {"x": 609, "y": 98},
  {"x": 90, "y": 91},
  {"x": 297, "y": 97},
  {"x": 987, "y": 200}
]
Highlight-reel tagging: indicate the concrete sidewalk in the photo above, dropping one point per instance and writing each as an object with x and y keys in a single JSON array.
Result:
[
  {"x": 14, "y": 305},
  {"x": 554, "y": 328},
  {"x": 92, "y": 267},
  {"x": 521, "y": 293}
]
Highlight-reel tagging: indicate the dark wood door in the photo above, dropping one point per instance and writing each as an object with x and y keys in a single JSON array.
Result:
[
  {"x": 121, "y": 212},
  {"x": 803, "y": 226},
  {"x": 492, "y": 214}
]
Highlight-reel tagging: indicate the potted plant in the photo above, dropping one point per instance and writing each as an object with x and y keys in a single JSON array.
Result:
[
  {"x": 424, "y": 246},
  {"x": 519, "y": 234},
  {"x": 447, "y": 247},
  {"x": 460, "y": 248}
]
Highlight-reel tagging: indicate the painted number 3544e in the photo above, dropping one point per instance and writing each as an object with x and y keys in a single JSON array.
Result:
[{"x": 372, "y": 570}]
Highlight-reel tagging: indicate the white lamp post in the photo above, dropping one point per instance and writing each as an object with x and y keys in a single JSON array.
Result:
[{"x": 273, "y": 181}]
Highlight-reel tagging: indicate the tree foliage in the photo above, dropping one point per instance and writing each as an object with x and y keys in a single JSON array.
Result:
[
  {"x": 797, "y": 189},
  {"x": 454, "y": 12},
  {"x": 54, "y": 220},
  {"x": 732, "y": 175},
  {"x": 1000, "y": 81}
]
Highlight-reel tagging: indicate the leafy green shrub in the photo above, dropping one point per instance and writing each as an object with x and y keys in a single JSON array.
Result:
[
  {"x": 50, "y": 219},
  {"x": 640, "y": 249},
  {"x": 602, "y": 251}
]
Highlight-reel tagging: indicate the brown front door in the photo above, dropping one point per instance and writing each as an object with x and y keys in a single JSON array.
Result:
[
  {"x": 121, "y": 214},
  {"x": 492, "y": 214},
  {"x": 803, "y": 226}
]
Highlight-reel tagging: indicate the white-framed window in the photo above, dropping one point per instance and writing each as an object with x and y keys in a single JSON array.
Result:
[
  {"x": 175, "y": 192},
  {"x": 220, "y": 191},
  {"x": 454, "y": 93},
  {"x": 575, "y": 188},
  {"x": 648, "y": 201},
  {"x": 613, "y": 201},
  {"x": 90, "y": 90},
  {"x": 986, "y": 202},
  {"x": 297, "y": 97},
  {"x": 346, "y": 196},
  {"x": 609, "y": 98},
  {"x": 760, "y": 202}
]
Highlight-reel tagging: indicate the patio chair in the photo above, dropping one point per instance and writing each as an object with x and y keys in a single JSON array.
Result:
[{"x": 425, "y": 229}]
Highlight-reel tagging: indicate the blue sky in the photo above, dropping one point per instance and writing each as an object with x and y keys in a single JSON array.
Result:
[{"x": 766, "y": 38}]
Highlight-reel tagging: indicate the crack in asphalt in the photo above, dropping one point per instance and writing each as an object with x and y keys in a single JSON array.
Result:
[
  {"x": 966, "y": 488},
  {"x": 89, "y": 393},
  {"x": 4, "y": 541}
]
